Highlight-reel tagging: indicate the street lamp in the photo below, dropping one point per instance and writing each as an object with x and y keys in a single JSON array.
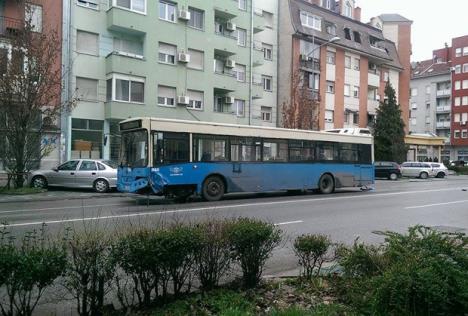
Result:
[{"x": 331, "y": 40}]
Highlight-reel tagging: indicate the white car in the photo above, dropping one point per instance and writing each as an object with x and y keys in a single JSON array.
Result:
[
  {"x": 440, "y": 170},
  {"x": 414, "y": 169}
]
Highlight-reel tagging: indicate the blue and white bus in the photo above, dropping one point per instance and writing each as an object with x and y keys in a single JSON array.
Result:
[{"x": 179, "y": 158}]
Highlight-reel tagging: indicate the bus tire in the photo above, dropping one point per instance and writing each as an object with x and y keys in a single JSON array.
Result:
[
  {"x": 326, "y": 184},
  {"x": 213, "y": 188}
]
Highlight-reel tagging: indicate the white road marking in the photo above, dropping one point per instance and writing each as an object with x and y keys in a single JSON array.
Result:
[
  {"x": 57, "y": 208},
  {"x": 222, "y": 207},
  {"x": 435, "y": 204},
  {"x": 289, "y": 223}
]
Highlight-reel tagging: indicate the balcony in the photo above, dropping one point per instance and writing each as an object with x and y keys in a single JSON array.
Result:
[
  {"x": 257, "y": 86},
  {"x": 258, "y": 58},
  {"x": 372, "y": 106},
  {"x": 10, "y": 27},
  {"x": 225, "y": 47},
  {"x": 226, "y": 10},
  {"x": 116, "y": 62},
  {"x": 443, "y": 93},
  {"x": 225, "y": 81},
  {"x": 258, "y": 24},
  {"x": 443, "y": 125},
  {"x": 310, "y": 64},
  {"x": 125, "y": 21},
  {"x": 443, "y": 109}
]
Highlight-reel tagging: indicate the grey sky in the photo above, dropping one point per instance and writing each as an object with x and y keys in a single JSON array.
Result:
[{"x": 434, "y": 22}]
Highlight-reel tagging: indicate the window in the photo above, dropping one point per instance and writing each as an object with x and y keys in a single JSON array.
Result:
[
  {"x": 310, "y": 20},
  {"x": 327, "y": 4},
  {"x": 245, "y": 149},
  {"x": 464, "y": 133},
  {"x": 347, "y": 32},
  {"x": 210, "y": 148},
  {"x": 457, "y": 101},
  {"x": 325, "y": 151},
  {"x": 87, "y": 88},
  {"x": 331, "y": 28},
  {"x": 465, "y": 84},
  {"x": 69, "y": 165},
  {"x": 275, "y": 150},
  {"x": 357, "y": 65},
  {"x": 127, "y": 89},
  {"x": 238, "y": 107},
  {"x": 457, "y": 85},
  {"x": 166, "y": 96},
  {"x": 134, "y": 5},
  {"x": 357, "y": 37},
  {"x": 465, "y": 51},
  {"x": 241, "y": 37},
  {"x": 347, "y": 62},
  {"x": 312, "y": 80},
  {"x": 457, "y": 117},
  {"x": 167, "y": 11},
  {"x": 457, "y": 69},
  {"x": 347, "y": 90},
  {"x": 265, "y": 112},
  {"x": 267, "y": 83},
  {"x": 167, "y": 53},
  {"x": 348, "y": 10},
  {"x": 170, "y": 148},
  {"x": 92, "y": 4},
  {"x": 428, "y": 89},
  {"x": 88, "y": 165},
  {"x": 268, "y": 18},
  {"x": 196, "y": 99},
  {"x": 86, "y": 139},
  {"x": 33, "y": 17},
  {"x": 243, "y": 4},
  {"x": 349, "y": 153},
  {"x": 329, "y": 116},
  {"x": 267, "y": 51},
  {"x": 196, "y": 59},
  {"x": 414, "y": 121},
  {"x": 197, "y": 19},
  {"x": 458, "y": 52},
  {"x": 355, "y": 116},
  {"x": 465, "y": 67},
  {"x": 414, "y": 106},
  {"x": 87, "y": 43},
  {"x": 331, "y": 56},
  {"x": 301, "y": 150},
  {"x": 465, "y": 100},
  {"x": 131, "y": 48},
  {"x": 356, "y": 92},
  {"x": 464, "y": 117},
  {"x": 239, "y": 70},
  {"x": 414, "y": 92},
  {"x": 456, "y": 134},
  {"x": 330, "y": 87}
]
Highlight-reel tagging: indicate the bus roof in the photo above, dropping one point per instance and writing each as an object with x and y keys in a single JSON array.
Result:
[{"x": 213, "y": 128}]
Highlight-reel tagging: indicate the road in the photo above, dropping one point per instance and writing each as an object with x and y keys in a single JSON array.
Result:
[{"x": 343, "y": 216}]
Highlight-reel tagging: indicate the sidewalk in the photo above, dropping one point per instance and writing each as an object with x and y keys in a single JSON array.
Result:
[{"x": 58, "y": 195}]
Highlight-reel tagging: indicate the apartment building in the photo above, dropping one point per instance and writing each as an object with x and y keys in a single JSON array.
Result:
[
  {"x": 439, "y": 98},
  {"x": 348, "y": 75},
  {"x": 186, "y": 59},
  {"x": 45, "y": 16}
]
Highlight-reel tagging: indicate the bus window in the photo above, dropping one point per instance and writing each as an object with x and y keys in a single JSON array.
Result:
[
  {"x": 275, "y": 150},
  {"x": 134, "y": 150},
  {"x": 300, "y": 150},
  {"x": 326, "y": 151},
  {"x": 246, "y": 149},
  {"x": 171, "y": 148},
  {"x": 349, "y": 153},
  {"x": 209, "y": 148},
  {"x": 365, "y": 154}
]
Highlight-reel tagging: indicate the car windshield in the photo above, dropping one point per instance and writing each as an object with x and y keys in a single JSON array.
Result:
[
  {"x": 134, "y": 149},
  {"x": 110, "y": 163}
]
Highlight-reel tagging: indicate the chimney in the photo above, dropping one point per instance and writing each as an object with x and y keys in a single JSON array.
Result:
[
  {"x": 447, "y": 52},
  {"x": 357, "y": 14}
]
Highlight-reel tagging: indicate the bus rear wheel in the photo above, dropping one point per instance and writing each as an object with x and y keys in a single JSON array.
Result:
[
  {"x": 326, "y": 184},
  {"x": 213, "y": 188}
]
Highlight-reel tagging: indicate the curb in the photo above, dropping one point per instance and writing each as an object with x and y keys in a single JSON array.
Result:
[{"x": 33, "y": 198}]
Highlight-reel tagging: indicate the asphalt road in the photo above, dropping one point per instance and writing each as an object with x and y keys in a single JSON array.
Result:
[{"x": 344, "y": 216}]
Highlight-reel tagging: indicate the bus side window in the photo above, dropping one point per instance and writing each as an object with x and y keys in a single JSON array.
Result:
[
  {"x": 365, "y": 154},
  {"x": 210, "y": 148}
]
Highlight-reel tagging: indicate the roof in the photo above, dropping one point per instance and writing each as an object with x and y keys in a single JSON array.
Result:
[
  {"x": 429, "y": 68},
  {"x": 393, "y": 17},
  {"x": 384, "y": 51}
]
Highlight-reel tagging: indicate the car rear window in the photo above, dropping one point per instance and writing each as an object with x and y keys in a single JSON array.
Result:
[{"x": 110, "y": 163}]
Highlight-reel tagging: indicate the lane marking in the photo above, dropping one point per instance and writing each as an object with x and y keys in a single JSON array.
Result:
[
  {"x": 56, "y": 208},
  {"x": 435, "y": 204},
  {"x": 217, "y": 208},
  {"x": 289, "y": 223}
]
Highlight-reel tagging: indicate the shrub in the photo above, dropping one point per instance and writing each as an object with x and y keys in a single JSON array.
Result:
[
  {"x": 213, "y": 259},
  {"x": 252, "y": 242},
  {"x": 90, "y": 270},
  {"x": 28, "y": 270},
  {"x": 312, "y": 251},
  {"x": 361, "y": 260}
]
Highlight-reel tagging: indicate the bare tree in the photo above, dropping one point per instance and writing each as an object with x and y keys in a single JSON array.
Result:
[
  {"x": 30, "y": 97},
  {"x": 302, "y": 111}
]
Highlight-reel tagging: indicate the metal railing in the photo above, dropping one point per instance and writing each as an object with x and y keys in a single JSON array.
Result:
[
  {"x": 10, "y": 26},
  {"x": 312, "y": 64}
]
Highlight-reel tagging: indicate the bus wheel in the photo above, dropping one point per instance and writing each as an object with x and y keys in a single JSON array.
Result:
[
  {"x": 213, "y": 189},
  {"x": 326, "y": 184}
]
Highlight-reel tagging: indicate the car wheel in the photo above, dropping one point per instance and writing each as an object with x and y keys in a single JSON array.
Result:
[
  {"x": 393, "y": 176},
  {"x": 441, "y": 175},
  {"x": 39, "y": 182},
  {"x": 101, "y": 186},
  {"x": 423, "y": 175},
  {"x": 213, "y": 189},
  {"x": 326, "y": 184}
]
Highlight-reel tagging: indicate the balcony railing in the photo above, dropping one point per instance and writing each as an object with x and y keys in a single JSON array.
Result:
[
  {"x": 444, "y": 92},
  {"x": 10, "y": 26},
  {"x": 443, "y": 108},
  {"x": 312, "y": 64},
  {"x": 226, "y": 34},
  {"x": 443, "y": 124}
]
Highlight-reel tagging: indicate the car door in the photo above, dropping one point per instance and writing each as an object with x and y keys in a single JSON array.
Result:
[
  {"x": 86, "y": 174},
  {"x": 64, "y": 175}
]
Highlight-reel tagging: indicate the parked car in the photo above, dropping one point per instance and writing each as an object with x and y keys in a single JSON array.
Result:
[
  {"x": 457, "y": 163},
  {"x": 101, "y": 175},
  {"x": 440, "y": 170},
  {"x": 387, "y": 169},
  {"x": 421, "y": 170}
]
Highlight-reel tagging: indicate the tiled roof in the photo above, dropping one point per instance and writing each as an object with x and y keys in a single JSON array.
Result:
[
  {"x": 386, "y": 52},
  {"x": 428, "y": 68},
  {"x": 393, "y": 17}
]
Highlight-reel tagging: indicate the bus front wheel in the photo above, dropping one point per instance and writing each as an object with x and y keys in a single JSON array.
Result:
[
  {"x": 213, "y": 189},
  {"x": 326, "y": 184}
]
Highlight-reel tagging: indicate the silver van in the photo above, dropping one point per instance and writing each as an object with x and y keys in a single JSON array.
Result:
[{"x": 413, "y": 169}]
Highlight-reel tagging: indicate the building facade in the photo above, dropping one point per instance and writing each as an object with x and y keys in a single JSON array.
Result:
[
  {"x": 348, "y": 75},
  {"x": 192, "y": 60},
  {"x": 439, "y": 98}
]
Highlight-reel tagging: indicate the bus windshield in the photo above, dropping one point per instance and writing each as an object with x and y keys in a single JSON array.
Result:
[{"x": 134, "y": 149}]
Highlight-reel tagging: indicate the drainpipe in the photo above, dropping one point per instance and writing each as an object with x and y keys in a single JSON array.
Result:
[
  {"x": 251, "y": 59},
  {"x": 65, "y": 120}
]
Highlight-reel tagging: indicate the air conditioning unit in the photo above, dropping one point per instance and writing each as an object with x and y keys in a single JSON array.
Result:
[
  {"x": 184, "y": 57},
  {"x": 228, "y": 100},
  {"x": 463, "y": 123},
  {"x": 183, "y": 99},
  {"x": 230, "y": 63},
  {"x": 231, "y": 26},
  {"x": 304, "y": 57},
  {"x": 184, "y": 15}
]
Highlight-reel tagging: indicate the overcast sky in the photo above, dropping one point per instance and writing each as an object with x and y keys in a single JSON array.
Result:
[{"x": 434, "y": 22}]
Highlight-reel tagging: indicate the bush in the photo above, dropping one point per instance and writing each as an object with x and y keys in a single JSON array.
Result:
[
  {"x": 213, "y": 259},
  {"x": 90, "y": 270},
  {"x": 252, "y": 242},
  {"x": 312, "y": 251},
  {"x": 361, "y": 260},
  {"x": 28, "y": 270}
]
